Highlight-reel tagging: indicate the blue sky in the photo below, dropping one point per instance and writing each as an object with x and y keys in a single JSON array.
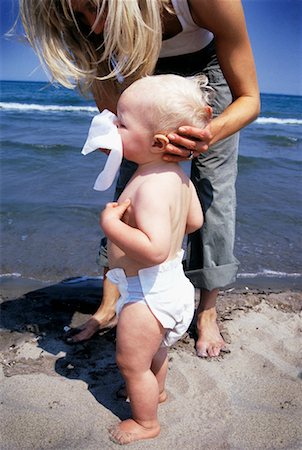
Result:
[{"x": 274, "y": 27}]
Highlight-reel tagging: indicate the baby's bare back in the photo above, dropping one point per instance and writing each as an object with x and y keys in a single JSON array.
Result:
[{"x": 160, "y": 201}]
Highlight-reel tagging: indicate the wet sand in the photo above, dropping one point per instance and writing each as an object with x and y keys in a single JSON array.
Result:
[{"x": 57, "y": 396}]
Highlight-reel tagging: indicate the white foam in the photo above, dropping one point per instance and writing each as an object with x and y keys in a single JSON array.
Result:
[
  {"x": 12, "y": 275},
  {"x": 92, "y": 109},
  {"x": 46, "y": 108},
  {"x": 278, "y": 121},
  {"x": 269, "y": 274}
]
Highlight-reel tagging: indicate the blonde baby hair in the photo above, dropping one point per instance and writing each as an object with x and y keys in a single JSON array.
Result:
[
  {"x": 174, "y": 101},
  {"x": 76, "y": 57}
]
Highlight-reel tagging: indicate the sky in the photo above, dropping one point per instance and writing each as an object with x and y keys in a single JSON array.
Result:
[{"x": 274, "y": 26}]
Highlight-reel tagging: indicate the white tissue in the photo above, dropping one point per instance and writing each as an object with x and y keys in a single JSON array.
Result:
[{"x": 103, "y": 133}]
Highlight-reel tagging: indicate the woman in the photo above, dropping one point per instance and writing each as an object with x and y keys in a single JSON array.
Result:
[{"x": 102, "y": 46}]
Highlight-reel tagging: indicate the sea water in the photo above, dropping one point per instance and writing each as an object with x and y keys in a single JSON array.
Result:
[{"x": 49, "y": 210}]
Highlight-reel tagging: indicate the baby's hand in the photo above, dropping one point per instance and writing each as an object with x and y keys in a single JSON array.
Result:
[{"x": 113, "y": 211}]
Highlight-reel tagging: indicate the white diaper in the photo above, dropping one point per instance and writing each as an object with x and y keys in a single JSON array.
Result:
[{"x": 166, "y": 290}]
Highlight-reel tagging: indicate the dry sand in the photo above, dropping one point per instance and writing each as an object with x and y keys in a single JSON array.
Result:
[{"x": 56, "y": 396}]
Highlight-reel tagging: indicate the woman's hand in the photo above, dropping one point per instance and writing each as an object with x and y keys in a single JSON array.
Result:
[{"x": 188, "y": 143}]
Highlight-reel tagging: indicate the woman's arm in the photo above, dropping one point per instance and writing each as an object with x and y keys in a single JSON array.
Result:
[{"x": 225, "y": 19}]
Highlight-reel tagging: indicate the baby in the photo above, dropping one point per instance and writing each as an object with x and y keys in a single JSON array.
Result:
[{"x": 145, "y": 229}]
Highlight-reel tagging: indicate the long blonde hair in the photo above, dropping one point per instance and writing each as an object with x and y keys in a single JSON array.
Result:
[{"x": 129, "y": 49}]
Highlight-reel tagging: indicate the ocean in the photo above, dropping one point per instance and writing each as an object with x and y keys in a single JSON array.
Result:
[{"x": 49, "y": 210}]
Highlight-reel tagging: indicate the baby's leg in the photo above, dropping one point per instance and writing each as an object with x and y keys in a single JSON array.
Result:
[
  {"x": 139, "y": 335},
  {"x": 160, "y": 367}
]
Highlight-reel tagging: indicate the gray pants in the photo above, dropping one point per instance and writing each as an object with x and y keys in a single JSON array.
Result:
[{"x": 210, "y": 262}]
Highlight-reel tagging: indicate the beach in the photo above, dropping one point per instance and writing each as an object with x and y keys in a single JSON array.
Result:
[{"x": 60, "y": 396}]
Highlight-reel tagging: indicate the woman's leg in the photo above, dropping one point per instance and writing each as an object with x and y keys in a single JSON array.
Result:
[
  {"x": 139, "y": 335},
  {"x": 211, "y": 263},
  {"x": 104, "y": 317}
]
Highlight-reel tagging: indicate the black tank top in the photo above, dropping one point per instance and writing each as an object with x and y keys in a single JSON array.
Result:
[{"x": 188, "y": 64}]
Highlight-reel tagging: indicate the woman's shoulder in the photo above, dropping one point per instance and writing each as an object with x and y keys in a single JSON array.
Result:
[{"x": 215, "y": 15}]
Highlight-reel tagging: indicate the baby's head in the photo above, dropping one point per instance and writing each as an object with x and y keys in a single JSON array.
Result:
[
  {"x": 152, "y": 107},
  {"x": 170, "y": 101}
]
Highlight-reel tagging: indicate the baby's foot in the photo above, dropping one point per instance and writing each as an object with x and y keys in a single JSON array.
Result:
[
  {"x": 210, "y": 342},
  {"x": 129, "y": 431}
]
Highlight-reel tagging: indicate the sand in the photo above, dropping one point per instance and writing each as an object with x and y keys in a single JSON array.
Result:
[{"x": 57, "y": 396}]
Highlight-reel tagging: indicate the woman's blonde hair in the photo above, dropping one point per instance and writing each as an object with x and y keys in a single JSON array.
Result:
[
  {"x": 173, "y": 101},
  {"x": 76, "y": 57}
]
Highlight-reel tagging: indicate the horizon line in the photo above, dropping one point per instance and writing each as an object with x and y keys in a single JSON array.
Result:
[{"x": 53, "y": 82}]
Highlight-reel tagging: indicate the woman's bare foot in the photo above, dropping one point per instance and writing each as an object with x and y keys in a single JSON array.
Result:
[
  {"x": 129, "y": 431},
  {"x": 88, "y": 329},
  {"x": 210, "y": 341}
]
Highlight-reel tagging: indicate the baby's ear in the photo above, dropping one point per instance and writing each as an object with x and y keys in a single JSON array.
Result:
[
  {"x": 209, "y": 112},
  {"x": 159, "y": 143}
]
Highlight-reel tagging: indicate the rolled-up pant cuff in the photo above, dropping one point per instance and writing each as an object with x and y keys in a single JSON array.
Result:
[{"x": 213, "y": 277}]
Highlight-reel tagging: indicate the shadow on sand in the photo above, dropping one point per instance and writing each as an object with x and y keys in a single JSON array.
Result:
[{"x": 38, "y": 318}]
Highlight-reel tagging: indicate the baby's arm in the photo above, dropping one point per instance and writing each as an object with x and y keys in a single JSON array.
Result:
[
  {"x": 195, "y": 214},
  {"x": 149, "y": 242}
]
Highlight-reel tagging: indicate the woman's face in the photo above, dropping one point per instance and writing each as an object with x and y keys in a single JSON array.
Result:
[{"x": 86, "y": 14}]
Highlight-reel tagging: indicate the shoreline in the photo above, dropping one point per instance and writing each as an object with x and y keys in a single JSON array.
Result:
[{"x": 14, "y": 286}]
